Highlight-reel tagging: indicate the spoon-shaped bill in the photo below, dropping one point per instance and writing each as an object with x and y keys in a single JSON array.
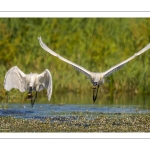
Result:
[{"x": 95, "y": 91}]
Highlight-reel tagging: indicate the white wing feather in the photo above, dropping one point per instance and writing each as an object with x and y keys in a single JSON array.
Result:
[
  {"x": 79, "y": 68},
  {"x": 45, "y": 78},
  {"x": 120, "y": 65},
  {"x": 15, "y": 78}
]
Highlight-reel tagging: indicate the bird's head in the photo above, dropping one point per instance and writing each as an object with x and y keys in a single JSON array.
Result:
[
  {"x": 95, "y": 85},
  {"x": 31, "y": 80},
  {"x": 30, "y": 93},
  {"x": 97, "y": 80}
]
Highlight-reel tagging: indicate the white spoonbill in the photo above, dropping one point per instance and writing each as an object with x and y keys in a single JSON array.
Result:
[
  {"x": 15, "y": 78},
  {"x": 97, "y": 78}
]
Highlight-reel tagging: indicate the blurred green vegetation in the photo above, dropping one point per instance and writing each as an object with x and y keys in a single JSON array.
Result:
[{"x": 94, "y": 43}]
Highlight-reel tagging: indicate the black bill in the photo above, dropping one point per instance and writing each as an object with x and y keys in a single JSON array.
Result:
[{"x": 95, "y": 91}]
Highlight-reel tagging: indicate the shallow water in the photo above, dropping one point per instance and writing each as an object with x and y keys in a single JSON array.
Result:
[
  {"x": 40, "y": 111},
  {"x": 70, "y": 105}
]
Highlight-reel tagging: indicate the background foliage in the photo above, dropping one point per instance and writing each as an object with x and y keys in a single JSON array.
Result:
[{"x": 94, "y": 43}]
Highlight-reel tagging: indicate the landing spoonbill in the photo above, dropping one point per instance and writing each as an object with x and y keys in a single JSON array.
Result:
[{"x": 15, "y": 78}]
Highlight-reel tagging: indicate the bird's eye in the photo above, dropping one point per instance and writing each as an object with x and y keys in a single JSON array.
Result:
[{"x": 95, "y": 83}]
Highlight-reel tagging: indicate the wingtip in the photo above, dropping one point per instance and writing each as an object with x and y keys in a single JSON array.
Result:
[
  {"x": 15, "y": 67},
  {"x": 39, "y": 38},
  {"x": 47, "y": 70},
  {"x": 149, "y": 44},
  {"x": 49, "y": 98}
]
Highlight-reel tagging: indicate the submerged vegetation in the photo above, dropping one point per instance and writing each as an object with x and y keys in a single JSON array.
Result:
[
  {"x": 101, "y": 123},
  {"x": 94, "y": 43}
]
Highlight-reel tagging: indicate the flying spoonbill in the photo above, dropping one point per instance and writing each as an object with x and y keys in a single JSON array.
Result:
[{"x": 97, "y": 78}]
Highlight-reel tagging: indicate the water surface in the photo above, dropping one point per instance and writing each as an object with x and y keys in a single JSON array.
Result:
[{"x": 73, "y": 104}]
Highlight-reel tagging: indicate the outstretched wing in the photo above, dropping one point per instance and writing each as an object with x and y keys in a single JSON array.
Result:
[
  {"x": 15, "y": 78},
  {"x": 120, "y": 65},
  {"x": 79, "y": 68},
  {"x": 45, "y": 78}
]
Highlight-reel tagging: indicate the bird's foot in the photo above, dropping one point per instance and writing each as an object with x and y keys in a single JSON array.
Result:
[
  {"x": 32, "y": 102},
  {"x": 94, "y": 98}
]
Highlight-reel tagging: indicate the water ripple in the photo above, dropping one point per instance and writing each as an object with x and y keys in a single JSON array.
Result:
[{"x": 40, "y": 111}]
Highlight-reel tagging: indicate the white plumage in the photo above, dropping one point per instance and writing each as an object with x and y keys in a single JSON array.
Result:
[
  {"x": 97, "y": 78},
  {"x": 15, "y": 78}
]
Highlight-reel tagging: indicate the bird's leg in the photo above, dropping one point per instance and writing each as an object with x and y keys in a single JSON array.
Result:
[
  {"x": 30, "y": 96},
  {"x": 7, "y": 93},
  {"x": 36, "y": 96},
  {"x": 95, "y": 91},
  {"x": 33, "y": 101}
]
